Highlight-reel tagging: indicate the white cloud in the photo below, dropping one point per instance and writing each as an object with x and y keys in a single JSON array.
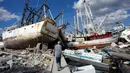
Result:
[
  {"x": 78, "y": 4},
  {"x": 1, "y": 0},
  {"x": 117, "y": 9},
  {"x": 98, "y": 6},
  {"x": 113, "y": 17},
  {"x": 6, "y": 15},
  {"x": 1, "y": 30}
]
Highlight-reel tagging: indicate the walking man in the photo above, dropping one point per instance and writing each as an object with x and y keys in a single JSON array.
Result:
[{"x": 58, "y": 52}]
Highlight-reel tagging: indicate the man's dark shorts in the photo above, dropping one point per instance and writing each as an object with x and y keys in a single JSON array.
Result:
[{"x": 58, "y": 59}]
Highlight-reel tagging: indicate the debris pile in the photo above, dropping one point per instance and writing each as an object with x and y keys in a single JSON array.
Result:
[{"x": 24, "y": 61}]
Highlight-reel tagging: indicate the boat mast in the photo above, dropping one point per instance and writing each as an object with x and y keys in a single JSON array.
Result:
[
  {"x": 86, "y": 22},
  {"x": 82, "y": 22},
  {"x": 63, "y": 17},
  {"x": 75, "y": 24},
  {"x": 45, "y": 10},
  {"x": 23, "y": 22},
  {"x": 32, "y": 15},
  {"x": 77, "y": 16},
  {"x": 88, "y": 14}
]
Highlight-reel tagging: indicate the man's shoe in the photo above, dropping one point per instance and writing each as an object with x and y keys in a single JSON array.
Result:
[{"x": 58, "y": 69}]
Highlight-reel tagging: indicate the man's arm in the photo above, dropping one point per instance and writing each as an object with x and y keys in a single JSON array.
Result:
[{"x": 61, "y": 51}]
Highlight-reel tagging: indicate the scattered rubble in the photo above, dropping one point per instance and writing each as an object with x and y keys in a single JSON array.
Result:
[{"x": 24, "y": 61}]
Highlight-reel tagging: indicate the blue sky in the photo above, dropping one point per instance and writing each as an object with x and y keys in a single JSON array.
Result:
[
  {"x": 16, "y": 7},
  {"x": 11, "y": 10}
]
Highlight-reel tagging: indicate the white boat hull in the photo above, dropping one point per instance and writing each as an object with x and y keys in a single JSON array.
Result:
[
  {"x": 29, "y": 36},
  {"x": 99, "y": 43}
]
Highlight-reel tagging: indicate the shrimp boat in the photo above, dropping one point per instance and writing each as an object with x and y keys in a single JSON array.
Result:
[
  {"x": 36, "y": 28},
  {"x": 99, "y": 41},
  {"x": 95, "y": 36}
]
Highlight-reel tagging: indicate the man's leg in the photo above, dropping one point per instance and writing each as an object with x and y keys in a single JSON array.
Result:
[{"x": 58, "y": 64}]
